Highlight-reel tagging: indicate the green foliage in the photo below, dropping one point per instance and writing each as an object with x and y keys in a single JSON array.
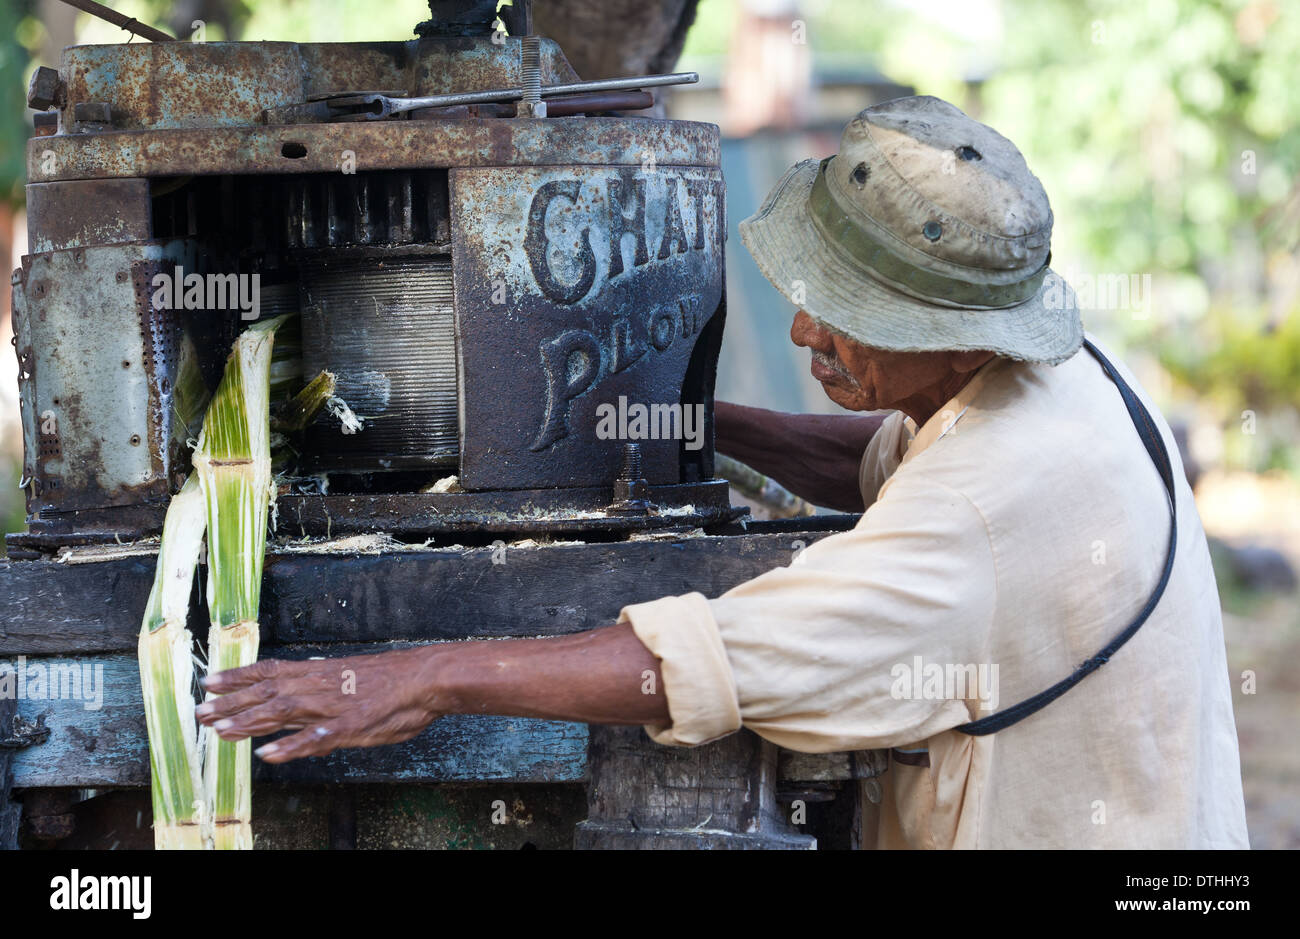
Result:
[
  {"x": 1248, "y": 369},
  {"x": 1168, "y": 134},
  {"x": 1174, "y": 120},
  {"x": 1241, "y": 363},
  {"x": 14, "y": 124}
]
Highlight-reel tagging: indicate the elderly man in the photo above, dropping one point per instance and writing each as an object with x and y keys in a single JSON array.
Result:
[{"x": 1025, "y": 512}]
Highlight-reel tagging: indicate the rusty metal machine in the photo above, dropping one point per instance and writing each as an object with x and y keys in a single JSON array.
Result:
[
  {"x": 485, "y": 256},
  {"x": 479, "y": 282}
]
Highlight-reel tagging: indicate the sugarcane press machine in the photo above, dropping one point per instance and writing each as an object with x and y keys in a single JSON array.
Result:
[{"x": 483, "y": 249}]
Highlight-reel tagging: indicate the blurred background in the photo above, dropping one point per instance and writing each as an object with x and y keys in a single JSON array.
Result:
[{"x": 1167, "y": 135}]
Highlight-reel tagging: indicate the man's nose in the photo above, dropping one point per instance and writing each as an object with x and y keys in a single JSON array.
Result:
[{"x": 805, "y": 331}]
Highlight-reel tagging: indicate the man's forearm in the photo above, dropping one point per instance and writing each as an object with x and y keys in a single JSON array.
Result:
[
  {"x": 815, "y": 456},
  {"x": 605, "y": 676}
]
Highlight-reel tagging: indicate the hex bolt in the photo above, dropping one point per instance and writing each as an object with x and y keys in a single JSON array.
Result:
[
  {"x": 92, "y": 112},
  {"x": 45, "y": 89},
  {"x": 630, "y": 489}
]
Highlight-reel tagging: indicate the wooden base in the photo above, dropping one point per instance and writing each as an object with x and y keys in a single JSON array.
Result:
[{"x": 330, "y": 602}]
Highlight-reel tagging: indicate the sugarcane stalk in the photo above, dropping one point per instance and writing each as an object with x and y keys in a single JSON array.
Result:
[
  {"x": 166, "y": 676},
  {"x": 750, "y": 483},
  {"x": 286, "y": 357},
  {"x": 190, "y": 394},
  {"x": 299, "y": 411},
  {"x": 233, "y": 463}
]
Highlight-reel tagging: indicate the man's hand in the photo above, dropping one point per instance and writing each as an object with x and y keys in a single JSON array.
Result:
[{"x": 361, "y": 701}]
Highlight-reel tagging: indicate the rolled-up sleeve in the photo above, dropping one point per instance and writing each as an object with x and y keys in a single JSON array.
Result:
[
  {"x": 681, "y": 631},
  {"x": 809, "y": 655}
]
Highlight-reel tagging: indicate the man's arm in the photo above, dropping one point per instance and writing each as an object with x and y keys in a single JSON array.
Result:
[
  {"x": 604, "y": 676},
  {"x": 815, "y": 456},
  {"x": 805, "y": 655}
]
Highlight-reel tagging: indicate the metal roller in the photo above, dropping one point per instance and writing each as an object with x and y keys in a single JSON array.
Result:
[{"x": 385, "y": 326}]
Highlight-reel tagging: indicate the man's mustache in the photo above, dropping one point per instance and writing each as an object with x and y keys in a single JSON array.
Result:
[{"x": 836, "y": 366}]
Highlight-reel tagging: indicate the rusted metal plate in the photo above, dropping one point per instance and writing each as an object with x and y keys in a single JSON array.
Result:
[
  {"x": 449, "y": 66},
  {"x": 581, "y": 288},
  {"x": 578, "y": 325},
  {"x": 322, "y": 148},
  {"x": 81, "y": 213},
  {"x": 227, "y": 84},
  {"x": 94, "y": 378},
  {"x": 184, "y": 84}
]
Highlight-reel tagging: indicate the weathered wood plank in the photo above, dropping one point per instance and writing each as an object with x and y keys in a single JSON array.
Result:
[
  {"x": 98, "y": 740},
  {"x": 48, "y": 607},
  {"x": 52, "y": 608},
  {"x": 10, "y": 812},
  {"x": 10, "y": 821}
]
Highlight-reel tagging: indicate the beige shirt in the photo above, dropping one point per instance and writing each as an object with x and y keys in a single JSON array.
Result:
[{"x": 1008, "y": 539}]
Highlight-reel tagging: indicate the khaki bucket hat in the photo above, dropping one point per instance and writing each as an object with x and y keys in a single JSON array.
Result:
[{"x": 926, "y": 232}]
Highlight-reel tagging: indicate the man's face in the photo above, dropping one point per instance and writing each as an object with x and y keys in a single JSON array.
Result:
[{"x": 862, "y": 378}]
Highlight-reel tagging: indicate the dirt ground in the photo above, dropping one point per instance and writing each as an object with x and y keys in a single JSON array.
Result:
[{"x": 1262, "y": 631}]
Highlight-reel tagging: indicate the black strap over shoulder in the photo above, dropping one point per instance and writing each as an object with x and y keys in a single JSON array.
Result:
[{"x": 1155, "y": 445}]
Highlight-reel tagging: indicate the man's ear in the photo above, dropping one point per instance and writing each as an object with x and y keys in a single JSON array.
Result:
[{"x": 968, "y": 360}]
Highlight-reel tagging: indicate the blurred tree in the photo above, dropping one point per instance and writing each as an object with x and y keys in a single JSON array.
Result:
[
  {"x": 1167, "y": 134},
  {"x": 1172, "y": 132},
  {"x": 14, "y": 125},
  {"x": 612, "y": 38}
]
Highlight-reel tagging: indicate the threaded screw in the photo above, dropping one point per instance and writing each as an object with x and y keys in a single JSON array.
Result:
[
  {"x": 530, "y": 66},
  {"x": 631, "y": 461}
]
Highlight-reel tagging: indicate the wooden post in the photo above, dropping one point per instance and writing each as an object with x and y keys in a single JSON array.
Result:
[
  {"x": 10, "y": 812},
  {"x": 720, "y": 795}
]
